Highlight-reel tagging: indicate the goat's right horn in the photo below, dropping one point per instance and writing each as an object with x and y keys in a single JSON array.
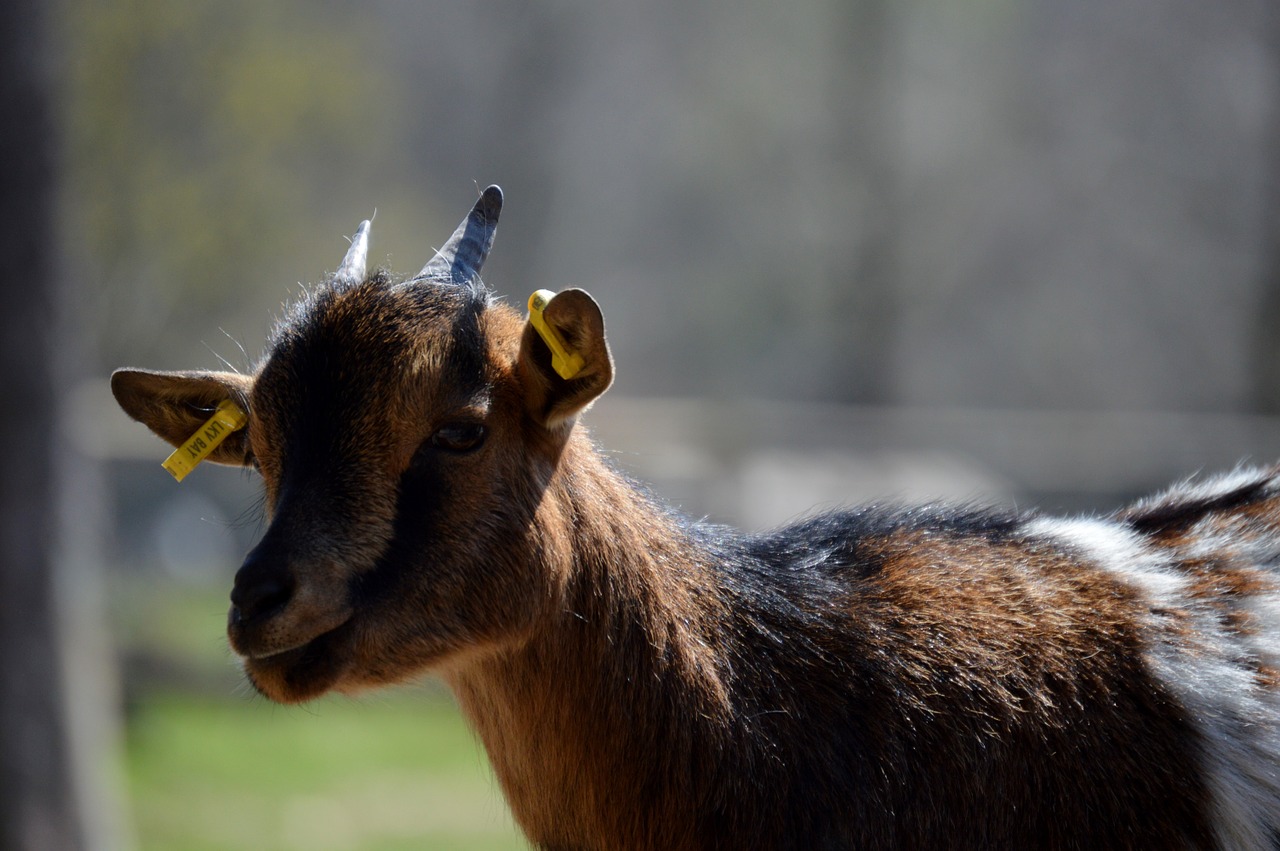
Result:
[
  {"x": 353, "y": 266},
  {"x": 459, "y": 260}
]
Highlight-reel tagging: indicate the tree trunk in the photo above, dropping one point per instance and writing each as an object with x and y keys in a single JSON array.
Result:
[{"x": 38, "y": 801}]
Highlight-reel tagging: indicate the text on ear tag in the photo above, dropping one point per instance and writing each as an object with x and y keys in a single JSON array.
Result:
[{"x": 226, "y": 419}]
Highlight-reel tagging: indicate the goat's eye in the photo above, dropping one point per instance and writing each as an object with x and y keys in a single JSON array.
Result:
[{"x": 459, "y": 437}]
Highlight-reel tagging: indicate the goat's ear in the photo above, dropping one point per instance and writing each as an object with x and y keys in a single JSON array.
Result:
[
  {"x": 550, "y": 398},
  {"x": 175, "y": 404}
]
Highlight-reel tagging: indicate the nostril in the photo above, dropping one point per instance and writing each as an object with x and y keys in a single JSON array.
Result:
[{"x": 259, "y": 596}]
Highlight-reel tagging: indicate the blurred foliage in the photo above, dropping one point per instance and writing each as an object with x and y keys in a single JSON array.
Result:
[
  {"x": 1001, "y": 204},
  {"x": 171, "y": 635},
  {"x": 195, "y": 132}
]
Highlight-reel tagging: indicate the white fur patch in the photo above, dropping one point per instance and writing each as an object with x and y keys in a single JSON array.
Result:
[
  {"x": 1117, "y": 548},
  {"x": 1215, "y": 671}
]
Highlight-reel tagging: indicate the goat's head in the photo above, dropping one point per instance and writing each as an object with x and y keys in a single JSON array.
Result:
[{"x": 405, "y": 432}]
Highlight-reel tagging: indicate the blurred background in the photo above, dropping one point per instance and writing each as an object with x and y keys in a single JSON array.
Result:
[{"x": 1013, "y": 251}]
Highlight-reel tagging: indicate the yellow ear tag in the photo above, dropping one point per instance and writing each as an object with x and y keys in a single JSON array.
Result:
[
  {"x": 226, "y": 419},
  {"x": 566, "y": 363}
]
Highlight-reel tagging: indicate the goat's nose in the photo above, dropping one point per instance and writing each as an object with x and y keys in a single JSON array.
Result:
[{"x": 263, "y": 586}]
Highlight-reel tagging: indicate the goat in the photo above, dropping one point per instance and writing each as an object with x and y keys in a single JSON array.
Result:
[{"x": 931, "y": 677}]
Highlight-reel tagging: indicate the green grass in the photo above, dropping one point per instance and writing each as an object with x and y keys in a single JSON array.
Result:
[
  {"x": 211, "y": 768},
  {"x": 395, "y": 772}
]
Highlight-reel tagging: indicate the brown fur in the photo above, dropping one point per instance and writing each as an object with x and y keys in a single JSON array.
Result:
[{"x": 1045, "y": 676}]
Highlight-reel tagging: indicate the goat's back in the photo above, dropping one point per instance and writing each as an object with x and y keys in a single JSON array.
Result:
[{"x": 985, "y": 680}]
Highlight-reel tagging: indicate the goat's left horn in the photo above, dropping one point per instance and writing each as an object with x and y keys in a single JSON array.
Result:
[
  {"x": 352, "y": 269},
  {"x": 459, "y": 260}
]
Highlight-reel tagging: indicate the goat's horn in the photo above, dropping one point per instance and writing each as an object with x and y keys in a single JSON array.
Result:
[
  {"x": 352, "y": 270},
  {"x": 459, "y": 260}
]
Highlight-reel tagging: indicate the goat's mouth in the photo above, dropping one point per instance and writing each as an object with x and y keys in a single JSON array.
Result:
[{"x": 298, "y": 672}]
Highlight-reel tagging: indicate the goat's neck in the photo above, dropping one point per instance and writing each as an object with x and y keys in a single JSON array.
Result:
[{"x": 622, "y": 677}]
